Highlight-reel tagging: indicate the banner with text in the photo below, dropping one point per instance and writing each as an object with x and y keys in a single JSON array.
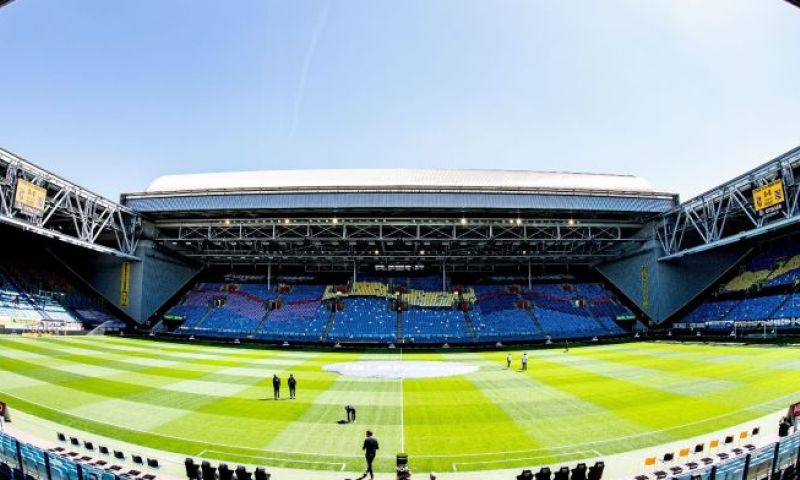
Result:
[{"x": 30, "y": 198}]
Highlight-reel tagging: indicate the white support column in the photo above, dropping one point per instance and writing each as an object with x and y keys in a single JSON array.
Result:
[
  {"x": 269, "y": 276},
  {"x": 530, "y": 284}
]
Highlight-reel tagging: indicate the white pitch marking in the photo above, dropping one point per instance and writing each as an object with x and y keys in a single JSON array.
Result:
[
  {"x": 259, "y": 457},
  {"x": 515, "y": 459},
  {"x": 402, "y": 401}
]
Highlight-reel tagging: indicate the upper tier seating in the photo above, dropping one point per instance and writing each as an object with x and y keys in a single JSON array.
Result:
[
  {"x": 787, "y": 273},
  {"x": 772, "y": 267}
]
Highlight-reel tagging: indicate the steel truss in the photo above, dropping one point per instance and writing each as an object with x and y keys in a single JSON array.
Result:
[
  {"x": 72, "y": 213},
  {"x": 727, "y": 214},
  {"x": 242, "y": 241}
]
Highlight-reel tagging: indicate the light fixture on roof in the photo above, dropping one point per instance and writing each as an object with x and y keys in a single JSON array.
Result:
[
  {"x": 463, "y": 221},
  {"x": 422, "y": 252},
  {"x": 571, "y": 222},
  {"x": 286, "y": 220},
  {"x": 227, "y": 221},
  {"x": 377, "y": 252},
  {"x": 519, "y": 221},
  {"x": 335, "y": 220}
]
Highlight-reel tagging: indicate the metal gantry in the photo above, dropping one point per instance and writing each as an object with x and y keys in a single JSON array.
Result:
[
  {"x": 71, "y": 213},
  {"x": 394, "y": 239},
  {"x": 727, "y": 213}
]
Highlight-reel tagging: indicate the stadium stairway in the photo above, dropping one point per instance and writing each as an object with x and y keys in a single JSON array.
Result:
[
  {"x": 470, "y": 326},
  {"x": 600, "y": 324},
  {"x": 200, "y": 321},
  {"x": 260, "y": 325},
  {"x": 399, "y": 329},
  {"x": 537, "y": 326},
  {"x": 328, "y": 325}
]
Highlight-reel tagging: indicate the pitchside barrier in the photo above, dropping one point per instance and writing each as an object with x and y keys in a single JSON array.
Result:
[{"x": 774, "y": 460}]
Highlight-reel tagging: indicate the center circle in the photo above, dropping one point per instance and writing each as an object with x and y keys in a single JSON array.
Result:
[{"x": 396, "y": 369}]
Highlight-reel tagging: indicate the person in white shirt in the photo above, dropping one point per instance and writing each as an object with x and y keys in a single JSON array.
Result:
[{"x": 524, "y": 362}]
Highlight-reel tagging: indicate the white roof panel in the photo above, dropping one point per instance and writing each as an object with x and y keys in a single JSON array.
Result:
[{"x": 398, "y": 179}]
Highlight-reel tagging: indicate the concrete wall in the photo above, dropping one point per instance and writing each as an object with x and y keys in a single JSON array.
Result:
[
  {"x": 153, "y": 280},
  {"x": 672, "y": 284}
]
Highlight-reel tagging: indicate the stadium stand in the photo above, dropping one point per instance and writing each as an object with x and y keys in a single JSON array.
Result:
[{"x": 481, "y": 313}]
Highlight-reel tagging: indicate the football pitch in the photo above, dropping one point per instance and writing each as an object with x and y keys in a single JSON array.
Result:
[{"x": 216, "y": 402}]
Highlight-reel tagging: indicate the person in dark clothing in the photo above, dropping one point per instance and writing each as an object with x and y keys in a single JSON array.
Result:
[
  {"x": 276, "y": 387},
  {"x": 351, "y": 413},
  {"x": 370, "y": 450},
  {"x": 784, "y": 427},
  {"x": 292, "y": 385}
]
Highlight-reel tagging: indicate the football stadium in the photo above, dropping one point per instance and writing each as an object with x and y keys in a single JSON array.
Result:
[
  {"x": 484, "y": 324},
  {"x": 400, "y": 323}
]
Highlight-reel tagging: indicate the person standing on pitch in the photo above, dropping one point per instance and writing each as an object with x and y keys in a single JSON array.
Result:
[
  {"x": 292, "y": 385},
  {"x": 508, "y": 361},
  {"x": 370, "y": 450},
  {"x": 525, "y": 362},
  {"x": 276, "y": 387}
]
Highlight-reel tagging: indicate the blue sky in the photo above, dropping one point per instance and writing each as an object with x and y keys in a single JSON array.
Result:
[{"x": 684, "y": 93}]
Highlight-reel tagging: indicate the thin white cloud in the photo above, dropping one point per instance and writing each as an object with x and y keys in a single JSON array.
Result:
[{"x": 319, "y": 26}]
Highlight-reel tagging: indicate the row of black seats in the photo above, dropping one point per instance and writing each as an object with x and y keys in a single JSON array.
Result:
[
  {"x": 206, "y": 471},
  {"x": 580, "y": 472},
  {"x": 118, "y": 454}
]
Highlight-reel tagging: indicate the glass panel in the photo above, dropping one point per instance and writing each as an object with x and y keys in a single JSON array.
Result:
[
  {"x": 33, "y": 461},
  {"x": 761, "y": 462},
  {"x": 8, "y": 450},
  {"x": 731, "y": 470},
  {"x": 787, "y": 455}
]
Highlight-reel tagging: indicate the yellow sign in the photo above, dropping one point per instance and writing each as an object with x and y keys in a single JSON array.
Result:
[
  {"x": 645, "y": 289},
  {"x": 769, "y": 195},
  {"x": 30, "y": 198},
  {"x": 125, "y": 284}
]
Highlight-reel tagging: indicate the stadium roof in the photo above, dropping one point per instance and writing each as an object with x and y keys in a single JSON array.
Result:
[
  {"x": 398, "y": 190},
  {"x": 401, "y": 180}
]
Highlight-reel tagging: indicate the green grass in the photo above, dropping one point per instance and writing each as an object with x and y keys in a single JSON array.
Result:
[{"x": 216, "y": 401}]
